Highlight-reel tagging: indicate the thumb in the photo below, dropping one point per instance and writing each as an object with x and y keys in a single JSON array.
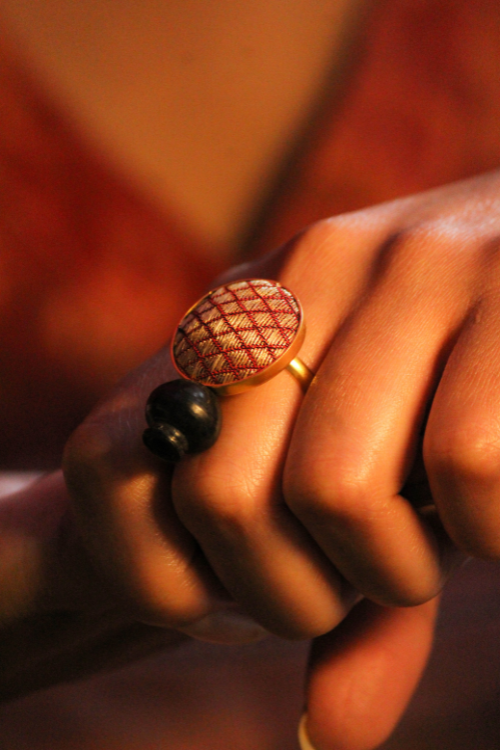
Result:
[
  {"x": 42, "y": 564},
  {"x": 363, "y": 674}
]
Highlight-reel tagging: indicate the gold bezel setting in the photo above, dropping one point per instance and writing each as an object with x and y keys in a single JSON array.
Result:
[{"x": 233, "y": 339}]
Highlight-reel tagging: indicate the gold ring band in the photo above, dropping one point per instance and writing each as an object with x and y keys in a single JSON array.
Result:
[
  {"x": 303, "y": 737},
  {"x": 301, "y": 372}
]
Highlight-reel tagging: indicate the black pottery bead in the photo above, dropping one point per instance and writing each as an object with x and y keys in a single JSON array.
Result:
[
  {"x": 166, "y": 442},
  {"x": 183, "y": 417}
]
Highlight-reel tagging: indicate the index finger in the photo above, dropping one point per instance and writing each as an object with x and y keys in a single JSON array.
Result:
[{"x": 121, "y": 495}]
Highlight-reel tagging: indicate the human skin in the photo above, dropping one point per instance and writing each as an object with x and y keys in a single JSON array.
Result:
[
  {"x": 297, "y": 509},
  {"x": 300, "y": 494}
]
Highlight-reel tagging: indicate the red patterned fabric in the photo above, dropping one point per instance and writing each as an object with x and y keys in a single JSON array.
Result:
[
  {"x": 93, "y": 278},
  {"x": 419, "y": 107},
  {"x": 236, "y": 331}
]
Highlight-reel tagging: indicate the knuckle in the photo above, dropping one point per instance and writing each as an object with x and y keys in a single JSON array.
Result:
[
  {"x": 481, "y": 541},
  {"x": 483, "y": 546},
  {"x": 422, "y": 255},
  {"x": 86, "y": 463},
  {"x": 469, "y": 456},
  {"x": 411, "y": 593},
  {"x": 221, "y": 500},
  {"x": 304, "y": 250},
  {"x": 319, "y": 493},
  {"x": 149, "y": 598},
  {"x": 420, "y": 247},
  {"x": 323, "y": 242},
  {"x": 466, "y": 463},
  {"x": 156, "y": 585},
  {"x": 440, "y": 231},
  {"x": 307, "y": 625}
]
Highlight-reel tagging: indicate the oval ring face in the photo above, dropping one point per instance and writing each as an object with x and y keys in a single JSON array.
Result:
[{"x": 239, "y": 335}]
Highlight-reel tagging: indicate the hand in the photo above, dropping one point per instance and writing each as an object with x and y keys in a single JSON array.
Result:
[
  {"x": 298, "y": 506},
  {"x": 58, "y": 619}
]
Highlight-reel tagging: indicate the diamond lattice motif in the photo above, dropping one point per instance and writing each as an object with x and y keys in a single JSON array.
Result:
[{"x": 236, "y": 331}]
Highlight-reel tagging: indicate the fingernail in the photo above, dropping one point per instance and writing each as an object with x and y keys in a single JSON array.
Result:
[
  {"x": 304, "y": 741},
  {"x": 226, "y": 627}
]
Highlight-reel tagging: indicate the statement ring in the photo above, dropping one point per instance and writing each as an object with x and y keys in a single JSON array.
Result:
[{"x": 236, "y": 337}]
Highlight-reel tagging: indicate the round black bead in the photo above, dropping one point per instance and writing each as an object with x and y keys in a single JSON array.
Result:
[
  {"x": 166, "y": 442},
  {"x": 186, "y": 408}
]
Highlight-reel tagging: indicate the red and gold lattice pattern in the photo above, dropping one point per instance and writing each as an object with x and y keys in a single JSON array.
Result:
[{"x": 237, "y": 332}]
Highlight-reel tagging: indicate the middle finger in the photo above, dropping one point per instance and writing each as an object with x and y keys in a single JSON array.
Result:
[{"x": 231, "y": 499}]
